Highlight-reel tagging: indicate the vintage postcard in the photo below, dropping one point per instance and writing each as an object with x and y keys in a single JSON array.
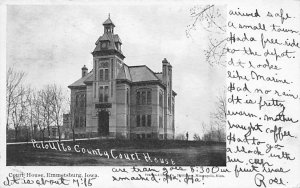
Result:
[{"x": 149, "y": 93}]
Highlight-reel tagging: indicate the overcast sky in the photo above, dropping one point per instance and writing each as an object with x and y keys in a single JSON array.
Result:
[{"x": 52, "y": 43}]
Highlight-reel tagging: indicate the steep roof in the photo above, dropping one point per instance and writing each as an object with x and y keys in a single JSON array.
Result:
[
  {"x": 133, "y": 74},
  {"x": 159, "y": 75},
  {"x": 80, "y": 82},
  {"x": 141, "y": 73},
  {"x": 108, "y": 22},
  {"x": 108, "y": 37}
]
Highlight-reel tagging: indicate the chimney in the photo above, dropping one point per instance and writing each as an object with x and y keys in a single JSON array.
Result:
[
  {"x": 84, "y": 71},
  {"x": 165, "y": 64}
]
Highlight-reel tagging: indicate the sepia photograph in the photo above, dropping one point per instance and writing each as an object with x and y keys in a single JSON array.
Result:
[{"x": 116, "y": 85}]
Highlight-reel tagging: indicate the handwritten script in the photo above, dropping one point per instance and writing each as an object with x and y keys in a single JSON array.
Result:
[{"x": 262, "y": 94}]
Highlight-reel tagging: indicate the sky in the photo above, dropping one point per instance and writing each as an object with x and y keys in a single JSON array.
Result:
[{"x": 53, "y": 42}]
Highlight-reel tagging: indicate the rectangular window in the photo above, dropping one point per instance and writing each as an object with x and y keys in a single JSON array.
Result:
[
  {"x": 112, "y": 69},
  {"x": 149, "y": 136},
  {"x": 106, "y": 74},
  {"x": 101, "y": 94},
  {"x": 160, "y": 122},
  {"x": 106, "y": 94},
  {"x": 138, "y": 122},
  {"x": 143, "y": 120},
  {"x": 111, "y": 89},
  {"x": 160, "y": 100},
  {"x": 101, "y": 75},
  {"x": 149, "y": 98},
  {"x": 94, "y": 90},
  {"x": 82, "y": 100},
  {"x": 143, "y": 97},
  {"x": 149, "y": 120},
  {"x": 76, "y": 100},
  {"x": 138, "y": 97}
]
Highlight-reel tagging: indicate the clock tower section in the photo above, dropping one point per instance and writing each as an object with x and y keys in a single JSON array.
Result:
[{"x": 107, "y": 61}]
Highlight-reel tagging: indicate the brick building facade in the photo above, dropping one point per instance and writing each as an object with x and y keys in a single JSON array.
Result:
[{"x": 121, "y": 101}]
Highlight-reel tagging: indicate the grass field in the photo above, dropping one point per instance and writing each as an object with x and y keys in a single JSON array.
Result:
[{"x": 118, "y": 153}]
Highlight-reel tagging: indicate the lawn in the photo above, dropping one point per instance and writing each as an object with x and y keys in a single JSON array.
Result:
[{"x": 117, "y": 153}]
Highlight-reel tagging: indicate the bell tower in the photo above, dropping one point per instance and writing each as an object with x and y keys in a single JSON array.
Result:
[{"x": 107, "y": 61}]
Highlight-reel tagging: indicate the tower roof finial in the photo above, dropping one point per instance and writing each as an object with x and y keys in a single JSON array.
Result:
[{"x": 108, "y": 21}]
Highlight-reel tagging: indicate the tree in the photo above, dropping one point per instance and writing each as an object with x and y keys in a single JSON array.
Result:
[
  {"x": 47, "y": 109},
  {"x": 18, "y": 110},
  {"x": 71, "y": 117},
  {"x": 13, "y": 81},
  {"x": 57, "y": 106},
  {"x": 212, "y": 19},
  {"x": 39, "y": 115},
  {"x": 29, "y": 116},
  {"x": 219, "y": 116},
  {"x": 196, "y": 137}
]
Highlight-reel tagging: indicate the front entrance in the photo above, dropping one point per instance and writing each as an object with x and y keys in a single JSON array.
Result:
[{"x": 103, "y": 123}]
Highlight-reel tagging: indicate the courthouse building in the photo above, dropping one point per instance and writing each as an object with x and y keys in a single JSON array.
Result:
[{"x": 118, "y": 100}]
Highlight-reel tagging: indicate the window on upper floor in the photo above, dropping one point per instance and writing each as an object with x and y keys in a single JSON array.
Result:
[
  {"x": 103, "y": 93},
  {"x": 143, "y": 97},
  {"x": 103, "y": 74},
  {"x": 149, "y": 120},
  {"x": 82, "y": 100},
  {"x": 138, "y": 98},
  {"x": 76, "y": 100},
  {"x": 160, "y": 99},
  {"x": 106, "y": 95},
  {"x": 106, "y": 75},
  {"x": 149, "y": 97},
  {"x": 144, "y": 120},
  {"x": 138, "y": 121}
]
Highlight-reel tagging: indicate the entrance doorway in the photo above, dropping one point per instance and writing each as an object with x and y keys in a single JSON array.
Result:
[{"x": 103, "y": 123}]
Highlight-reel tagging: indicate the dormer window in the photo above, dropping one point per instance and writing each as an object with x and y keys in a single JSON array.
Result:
[
  {"x": 104, "y": 45},
  {"x": 118, "y": 46}
]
